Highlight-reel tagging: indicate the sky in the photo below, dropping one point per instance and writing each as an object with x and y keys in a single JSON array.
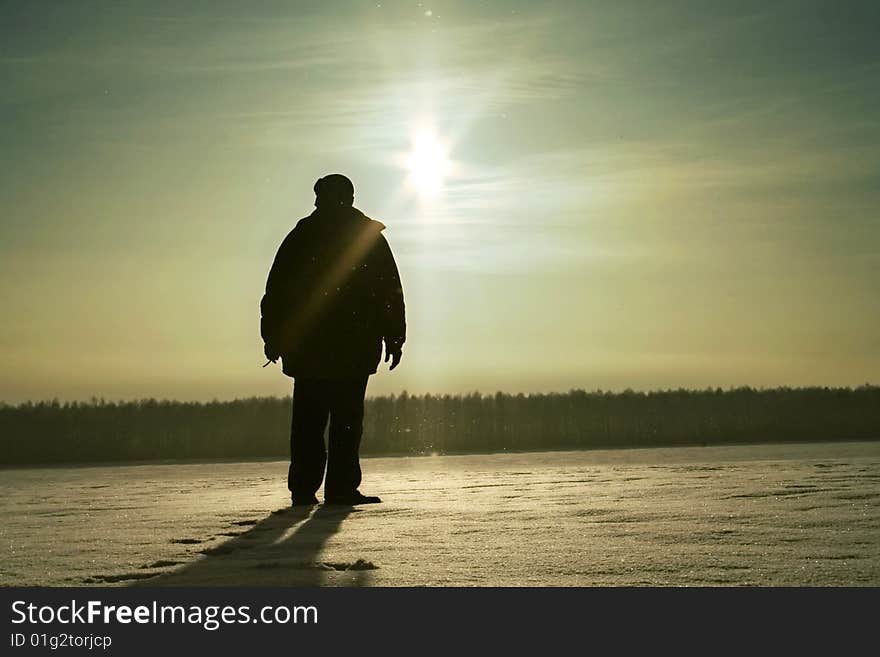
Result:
[{"x": 597, "y": 195}]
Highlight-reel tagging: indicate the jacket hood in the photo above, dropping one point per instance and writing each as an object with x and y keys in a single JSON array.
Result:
[{"x": 338, "y": 215}]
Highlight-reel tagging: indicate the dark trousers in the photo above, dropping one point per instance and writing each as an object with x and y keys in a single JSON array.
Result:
[{"x": 315, "y": 401}]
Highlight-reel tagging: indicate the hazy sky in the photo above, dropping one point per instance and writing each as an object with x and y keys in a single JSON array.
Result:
[{"x": 640, "y": 194}]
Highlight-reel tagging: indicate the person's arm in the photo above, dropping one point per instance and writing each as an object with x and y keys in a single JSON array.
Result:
[
  {"x": 277, "y": 297},
  {"x": 392, "y": 311}
]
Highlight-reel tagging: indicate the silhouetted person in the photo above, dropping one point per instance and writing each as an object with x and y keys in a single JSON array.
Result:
[{"x": 332, "y": 297}]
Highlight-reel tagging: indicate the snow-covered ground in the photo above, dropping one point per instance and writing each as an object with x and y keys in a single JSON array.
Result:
[{"x": 765, "y": 515}]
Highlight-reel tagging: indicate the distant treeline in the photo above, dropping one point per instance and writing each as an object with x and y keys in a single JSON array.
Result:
[{"x": 52, "y": 432}]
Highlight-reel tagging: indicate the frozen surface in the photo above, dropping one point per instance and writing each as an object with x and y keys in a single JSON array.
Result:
[{"x": 756, "y": 515}]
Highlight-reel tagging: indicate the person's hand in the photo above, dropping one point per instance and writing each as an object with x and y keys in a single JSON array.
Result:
[
  {"x": 271, "y": 352},
  {"x": 394, "y": 352}
]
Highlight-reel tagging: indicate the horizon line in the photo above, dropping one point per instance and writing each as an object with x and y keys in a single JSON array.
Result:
[{"x": 94, "y": 400}]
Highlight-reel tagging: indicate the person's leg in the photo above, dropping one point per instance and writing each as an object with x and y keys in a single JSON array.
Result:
[
  {"x": 307, "y": 453},
  {"x": 346, "y": 428}
]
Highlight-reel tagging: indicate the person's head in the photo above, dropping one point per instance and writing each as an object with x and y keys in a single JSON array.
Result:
[{"x": 334, "y": 190}]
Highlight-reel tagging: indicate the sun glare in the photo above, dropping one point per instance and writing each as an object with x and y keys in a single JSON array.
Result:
[{"x": 428, "y": 163}]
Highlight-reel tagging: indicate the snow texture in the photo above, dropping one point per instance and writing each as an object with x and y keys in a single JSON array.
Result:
[{"x": 751, "y": 515}]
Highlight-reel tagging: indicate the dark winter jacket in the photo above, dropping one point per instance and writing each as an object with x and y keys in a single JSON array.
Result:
[{"x": 332, "y": 296}]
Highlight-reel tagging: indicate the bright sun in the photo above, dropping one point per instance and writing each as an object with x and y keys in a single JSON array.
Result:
[{"x": 428, "y": 163}]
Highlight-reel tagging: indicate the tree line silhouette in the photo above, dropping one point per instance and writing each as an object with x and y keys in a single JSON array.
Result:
[{"x": 78, "y": 432}]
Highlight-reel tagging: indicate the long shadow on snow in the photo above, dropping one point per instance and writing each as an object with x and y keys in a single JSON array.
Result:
[{"x": 283, "y": 549}]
